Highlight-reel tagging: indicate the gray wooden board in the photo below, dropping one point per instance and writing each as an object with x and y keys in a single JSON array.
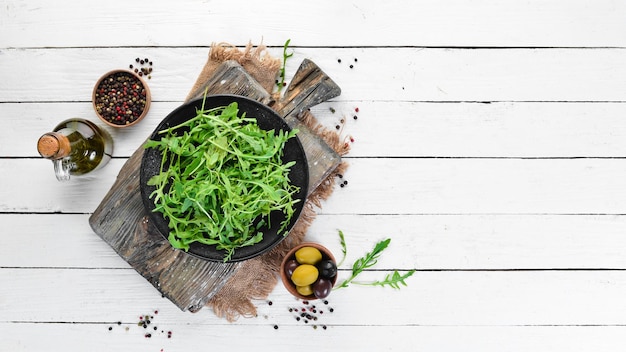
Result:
[{"x": 122, "y": 221}]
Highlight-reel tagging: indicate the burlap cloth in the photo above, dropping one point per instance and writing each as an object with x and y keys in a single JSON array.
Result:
[{"x": 257, "y": 277}]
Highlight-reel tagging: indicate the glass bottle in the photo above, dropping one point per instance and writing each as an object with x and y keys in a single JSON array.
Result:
[{"x": 76, "y": 146}]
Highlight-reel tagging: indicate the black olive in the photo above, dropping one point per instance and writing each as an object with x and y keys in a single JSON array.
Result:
[
  {"x": 290, "y": 266},
  {"x": 327, "y": 268},
  {"x": 322, "y": 288}
]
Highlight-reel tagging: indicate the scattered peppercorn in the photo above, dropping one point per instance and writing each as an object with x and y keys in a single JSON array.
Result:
[
  {"x": 307, "y": 313},
  {"x": 332, "y": 110},
  {"x": 339, "y": 60},
  {"x": 145, "y": 70},
  {"x": 351, "y": 66},
  {"x": 355, "y": 117},
  {"x": 275, "y": 327},
  {"x": 356, "y": 109}
]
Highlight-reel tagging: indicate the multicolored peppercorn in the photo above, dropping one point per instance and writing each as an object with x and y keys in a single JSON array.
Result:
[{"x": 120, "y": 98}]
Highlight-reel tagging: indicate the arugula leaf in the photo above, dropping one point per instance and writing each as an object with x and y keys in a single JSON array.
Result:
[
  {"x": 370, "y": 259},
  {"x": 281, "y": 84},
  {"x": 344, "y": 249},
  {"x": 393, "y": 280}
]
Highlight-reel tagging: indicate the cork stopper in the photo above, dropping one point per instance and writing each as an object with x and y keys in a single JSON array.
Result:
[{"x": 53, "y": 146}]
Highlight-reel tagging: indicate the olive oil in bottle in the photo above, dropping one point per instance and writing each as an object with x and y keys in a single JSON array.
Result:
[{"x": 76, "y": 146}]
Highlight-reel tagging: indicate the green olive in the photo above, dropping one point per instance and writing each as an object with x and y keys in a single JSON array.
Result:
[
  {"x": 308, "y": 255},
  {"x": 305, "y": 290},
  {"x": 304, "y": 275}
]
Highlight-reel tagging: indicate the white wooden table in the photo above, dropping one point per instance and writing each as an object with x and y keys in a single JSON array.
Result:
[{"x": 490, "y": 146}]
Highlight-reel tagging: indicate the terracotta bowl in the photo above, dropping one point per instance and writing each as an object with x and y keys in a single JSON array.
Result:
[
  {"x": 120, "y": 111},
  {"x": 289, "y": 285}
]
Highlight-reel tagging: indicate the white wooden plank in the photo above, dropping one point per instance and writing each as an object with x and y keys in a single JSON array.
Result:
[
  {"x": 424, "y": 23},
  {"x": 262, "y": 337},
  {"x": 391, "y": 74},
  {"x": 51, "y": 240},
  {"x": 381, "y": 186},
  {"x": 433, "y": 242},
  {"x": 478, "y": 241},
  {"x": 37, "y": 190},
  {"x": 406, "y": 129},
  {"x": 480, "y": 186},
  {"x": 431, "y": 298}
]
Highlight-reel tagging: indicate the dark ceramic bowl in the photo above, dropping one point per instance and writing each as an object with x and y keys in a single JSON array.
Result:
[{"x": 267, "y": 119}]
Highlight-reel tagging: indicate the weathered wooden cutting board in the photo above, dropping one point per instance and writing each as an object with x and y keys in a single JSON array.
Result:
[{"x": 122, "y": 221}]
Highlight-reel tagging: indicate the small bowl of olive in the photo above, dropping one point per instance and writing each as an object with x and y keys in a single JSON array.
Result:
[{"x": 309, "y": 271}]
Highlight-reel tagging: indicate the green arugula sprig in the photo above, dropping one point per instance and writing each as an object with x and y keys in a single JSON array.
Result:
[
  {"x": 393, "y": 280},
  {"x": 286, "y": 55},
  {"x": 344, "y": 249}
]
